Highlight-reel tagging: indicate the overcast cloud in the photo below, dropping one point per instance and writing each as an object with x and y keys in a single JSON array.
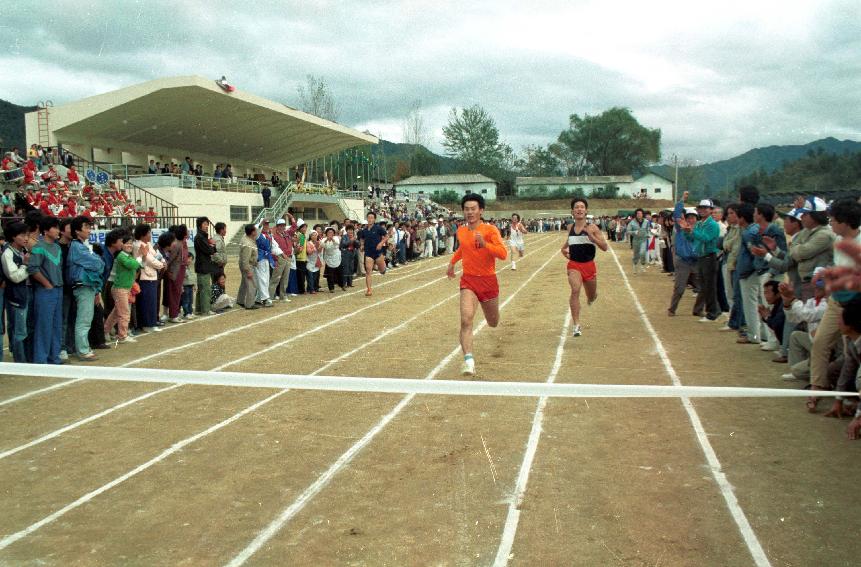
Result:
[{"x": 718, "y": 80}]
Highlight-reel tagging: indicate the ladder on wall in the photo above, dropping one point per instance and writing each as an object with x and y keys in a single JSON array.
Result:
[{"x": 43, "y": 122}]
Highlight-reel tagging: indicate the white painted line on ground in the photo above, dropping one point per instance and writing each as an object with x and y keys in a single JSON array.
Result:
[
  {"x": 513, "y": 517},
  {"x": 101, "y": 371},
  {"x": 309, "y": 493},
  {"x": 265, "y": 320},
  {"x": 216, "y": 336},
  {"x": 747, "y": 533},
  {"x": 71, "y": 426},
  {"x": 12, "y": 538},
  {"x": 39, "y": 391}
]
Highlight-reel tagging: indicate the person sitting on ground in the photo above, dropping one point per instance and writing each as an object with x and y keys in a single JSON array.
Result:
[
  {"x": 805, "y": 317},
  {"x": 220, "y": 300},
  {"x": 772, "y": 313}
]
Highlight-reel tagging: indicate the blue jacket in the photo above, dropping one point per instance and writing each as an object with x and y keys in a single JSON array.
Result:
[
  {"x": 760, "y": 264},
  {"x": 744, "y": 264},
  {"x": 685, "y": 247},
  {"x": 84, "y": 267},
  {"x": 108, "y": 260},
  {"x": 264, "y": 249}
]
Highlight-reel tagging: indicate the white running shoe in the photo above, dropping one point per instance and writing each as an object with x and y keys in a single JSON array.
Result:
[
  {"x": 706, "y": 320},
  {"x": 175, "y": 320},
  {"x": 576, "y": 331},
  {"x": 513, "y": 266},
  {"x": 64, "y": 356},
  {"x": 769, "y": 346},
  {"x": 468, "y": 367},
  {"x": 128, "y": 339},
  {"x": 787, "y": 377}
]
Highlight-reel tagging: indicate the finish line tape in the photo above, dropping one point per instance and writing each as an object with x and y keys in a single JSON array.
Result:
[{"x": 400, "y": 385}]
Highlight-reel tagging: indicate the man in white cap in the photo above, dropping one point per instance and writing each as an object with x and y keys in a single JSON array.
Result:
[
  {"x": 705, "y": 235},
  {"x": 265, "y": 262}
]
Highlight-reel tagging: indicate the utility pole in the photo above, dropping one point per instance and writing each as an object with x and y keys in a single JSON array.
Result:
[{"x": 676, "y": 182}]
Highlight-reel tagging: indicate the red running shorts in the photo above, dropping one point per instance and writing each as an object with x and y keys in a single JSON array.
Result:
[
  {"x": 587, "y": 269},
  {"x": 484, "y": 287}
]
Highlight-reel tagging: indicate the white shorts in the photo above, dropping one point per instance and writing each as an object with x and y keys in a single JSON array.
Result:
[{"x": 518, "y": 245}]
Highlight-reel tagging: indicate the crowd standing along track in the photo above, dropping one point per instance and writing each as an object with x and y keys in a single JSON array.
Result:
[{"x": 129, "y": 473}]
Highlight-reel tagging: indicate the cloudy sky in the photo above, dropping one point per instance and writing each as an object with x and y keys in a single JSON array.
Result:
[{"x": 717, "y": 78}]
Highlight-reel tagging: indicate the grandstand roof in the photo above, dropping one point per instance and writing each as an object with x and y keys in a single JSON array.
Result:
[
  {"x": 457, "y": 178},
  {"x": 194, "y": 116}
]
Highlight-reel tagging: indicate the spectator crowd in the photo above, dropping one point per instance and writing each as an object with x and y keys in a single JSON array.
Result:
[{"x": 786, "y": 283}]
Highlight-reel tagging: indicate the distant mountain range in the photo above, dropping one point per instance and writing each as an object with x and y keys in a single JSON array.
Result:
[{"x": 714, "y": 178}]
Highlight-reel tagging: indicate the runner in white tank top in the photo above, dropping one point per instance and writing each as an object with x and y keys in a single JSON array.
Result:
[{"x": 515, "y": 239}]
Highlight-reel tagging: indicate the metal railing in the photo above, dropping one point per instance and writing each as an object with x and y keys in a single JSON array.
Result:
[
  {"x": 189, "y": 181},
  {"x": 108, "y": 223},
  {"x": 136, "y": 193}
]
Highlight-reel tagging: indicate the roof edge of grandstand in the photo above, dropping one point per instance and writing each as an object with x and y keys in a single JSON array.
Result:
[{"x": 92, "y": 105}]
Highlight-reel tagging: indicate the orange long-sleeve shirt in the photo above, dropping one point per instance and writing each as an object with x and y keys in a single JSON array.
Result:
[{"x": 479, "y": 261}]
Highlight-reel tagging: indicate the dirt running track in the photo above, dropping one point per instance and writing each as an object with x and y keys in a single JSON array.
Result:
[{"x": 215, "y": 476}]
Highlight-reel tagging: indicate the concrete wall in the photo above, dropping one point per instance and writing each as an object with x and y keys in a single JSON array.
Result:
[
  {"x": 213, "y": 204},
  {"x": 487, "y": 190},
  {"x": 656, "y": 187}
]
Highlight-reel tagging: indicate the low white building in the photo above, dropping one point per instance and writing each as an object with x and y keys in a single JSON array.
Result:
[
  {"x": 650, "y": 185},
  {"x": 426, "y": 186}
]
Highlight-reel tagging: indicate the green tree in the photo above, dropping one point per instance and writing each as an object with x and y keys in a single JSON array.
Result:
[
  {"x": 446, "y": 196},
  {"x": 536, "y": 161},
  {"x": 316, "y": 98},
  {"x": 471, "y": 136},
  {"x": 611, "y": 143},
  {"x": 423, "y": 162}
]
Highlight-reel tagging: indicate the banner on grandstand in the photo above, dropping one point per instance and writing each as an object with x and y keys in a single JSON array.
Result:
[{"x": 98, "y": 235}]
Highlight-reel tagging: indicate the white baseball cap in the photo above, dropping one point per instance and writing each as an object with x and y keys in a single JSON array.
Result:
[
  {"x": 690, "y": 211},
  {"x": 813, "y": 204},
  {"x": 706, "y": 203},
  {"x": 280, "y": 221}
]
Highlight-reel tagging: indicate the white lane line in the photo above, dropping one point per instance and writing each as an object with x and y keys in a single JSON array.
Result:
[
  {"x": 258, "y": 322},
  {"x": 503, "y": 552},
  {"x": 75, "y": 425},
  {"x": 214, "y": 337},
  {"x": 309, "y": 493},
  {"x": 9, "y": 540},
  {"x": 747, "y": 533},
  {"x": 39, "y": 391},
  {"x": 12, "y": 538}
]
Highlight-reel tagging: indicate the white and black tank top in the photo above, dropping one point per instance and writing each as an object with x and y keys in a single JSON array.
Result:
[{"x": 580, "y": 248}]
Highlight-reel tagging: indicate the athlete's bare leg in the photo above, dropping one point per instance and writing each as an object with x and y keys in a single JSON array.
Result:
[
  {"x": 468, "y": 303},
  {"x": 591, "y": 288},
  {"x": 381, "y": 264},
  {"x": 575, "y": 280},
  {"x": 369, "y": 270},
  {"x": 491, "y": 311}
]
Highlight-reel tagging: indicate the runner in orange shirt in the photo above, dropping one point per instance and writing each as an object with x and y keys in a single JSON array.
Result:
[{"x": 480, "y": 246}]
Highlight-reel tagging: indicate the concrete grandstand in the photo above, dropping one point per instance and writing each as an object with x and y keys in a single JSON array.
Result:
[{"x": 124, "y": 132}]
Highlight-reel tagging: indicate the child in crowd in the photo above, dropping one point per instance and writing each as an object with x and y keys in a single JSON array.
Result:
[
  {"x": 125, "y": 267},
  {"x": 187, "y": 301}
]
